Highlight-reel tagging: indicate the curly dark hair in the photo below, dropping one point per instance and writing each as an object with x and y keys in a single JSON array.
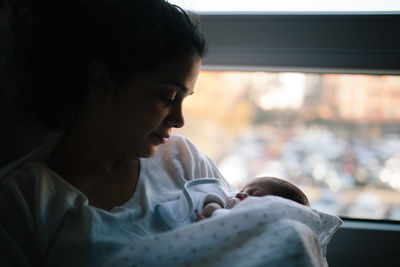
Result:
[{"x": 56, "y": 40}]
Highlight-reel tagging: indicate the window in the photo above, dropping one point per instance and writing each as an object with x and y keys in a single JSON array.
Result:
[
  {"x": 326, "y": 59},
  {"x": 313, "y": 98},
  {"x": 337, "y": 136}
]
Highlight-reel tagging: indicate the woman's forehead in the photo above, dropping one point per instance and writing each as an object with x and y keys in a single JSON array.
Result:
[{"x": 182, "y": 71}]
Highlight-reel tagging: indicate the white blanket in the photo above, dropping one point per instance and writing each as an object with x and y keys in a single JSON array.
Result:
[{"x": 260, "y": 231}]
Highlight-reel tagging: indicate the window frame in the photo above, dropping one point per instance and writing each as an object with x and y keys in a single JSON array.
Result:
[{"x": 363, "y": 42}]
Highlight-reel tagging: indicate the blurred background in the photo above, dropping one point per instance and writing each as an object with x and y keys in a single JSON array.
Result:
[{"x": 336, "y": 136}]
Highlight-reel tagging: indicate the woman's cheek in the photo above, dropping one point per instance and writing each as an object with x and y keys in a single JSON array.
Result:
[{"x": 156, "y": 114}]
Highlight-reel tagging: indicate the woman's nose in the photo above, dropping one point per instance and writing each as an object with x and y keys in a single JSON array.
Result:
[{"x": 175, "y": 117}]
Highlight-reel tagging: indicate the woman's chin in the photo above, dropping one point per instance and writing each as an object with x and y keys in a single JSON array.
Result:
[{"x": 147, "y": 152}]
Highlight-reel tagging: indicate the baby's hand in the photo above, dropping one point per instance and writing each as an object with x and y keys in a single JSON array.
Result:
[
  {"x": 242, "y": 195},
  {"x": 209, "y": 208},
  {"x": 199, "y": 216}
]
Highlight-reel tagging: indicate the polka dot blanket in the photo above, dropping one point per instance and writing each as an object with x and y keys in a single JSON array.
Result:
[{"x": 261, "y": 231}]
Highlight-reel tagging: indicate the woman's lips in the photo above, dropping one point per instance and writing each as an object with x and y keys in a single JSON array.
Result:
[{"x": 159, "y": 138}]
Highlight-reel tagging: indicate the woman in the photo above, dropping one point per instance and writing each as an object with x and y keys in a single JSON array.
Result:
[{"x": 110, "y": 78}]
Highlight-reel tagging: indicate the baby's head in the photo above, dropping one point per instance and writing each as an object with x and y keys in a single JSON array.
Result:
[{"x": 264, "y": 186}]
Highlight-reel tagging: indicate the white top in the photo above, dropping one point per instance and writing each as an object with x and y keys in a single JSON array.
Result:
[{"x": 47, "y": 221}]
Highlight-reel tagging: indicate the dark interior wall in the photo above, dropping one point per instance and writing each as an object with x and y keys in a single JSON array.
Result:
[
  {"x": 16, "y": 139},
  {"x": 365, "y": 244}
]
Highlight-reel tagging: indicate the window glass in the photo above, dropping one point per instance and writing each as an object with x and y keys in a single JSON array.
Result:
[
  {"x": 336, "y": 136},
  {"x": 288, "y": 5}
]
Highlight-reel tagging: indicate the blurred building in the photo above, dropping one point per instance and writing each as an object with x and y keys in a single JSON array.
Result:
[{"x": 361, "y": 98}]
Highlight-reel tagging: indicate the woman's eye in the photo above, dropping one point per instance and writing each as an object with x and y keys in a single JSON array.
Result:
[{"x": 169, "y": 98}]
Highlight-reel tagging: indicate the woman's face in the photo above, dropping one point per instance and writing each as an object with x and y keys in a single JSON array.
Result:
[{"x": 140, "y": 114}]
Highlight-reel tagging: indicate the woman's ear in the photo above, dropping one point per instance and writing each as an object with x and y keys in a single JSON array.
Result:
[{"x": 100, "y": 83}]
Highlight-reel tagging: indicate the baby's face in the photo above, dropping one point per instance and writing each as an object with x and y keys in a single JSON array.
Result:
[{"x": 257, "y": 188}]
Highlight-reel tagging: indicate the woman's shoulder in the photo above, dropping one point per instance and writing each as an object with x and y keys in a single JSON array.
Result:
[
  {"x": 23, "y": 168},
  {"x": 22, "y": 174},
  {"x": 179, "y": 151},
  {"x": 30, "y": 176},
  {"x": 180, "y": 146},
  {"x": 30, "y": 161},
  {"x": 29, "y": 181},
  {"x": 180, "y": 157}
]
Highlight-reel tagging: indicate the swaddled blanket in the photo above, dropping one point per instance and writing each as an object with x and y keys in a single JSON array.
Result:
[{"x": 261, "y": 231}]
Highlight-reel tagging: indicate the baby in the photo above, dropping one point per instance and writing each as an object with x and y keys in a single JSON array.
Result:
[
  {"x": 262, "y": 186},
  {"x": 203, "y": 197}
]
